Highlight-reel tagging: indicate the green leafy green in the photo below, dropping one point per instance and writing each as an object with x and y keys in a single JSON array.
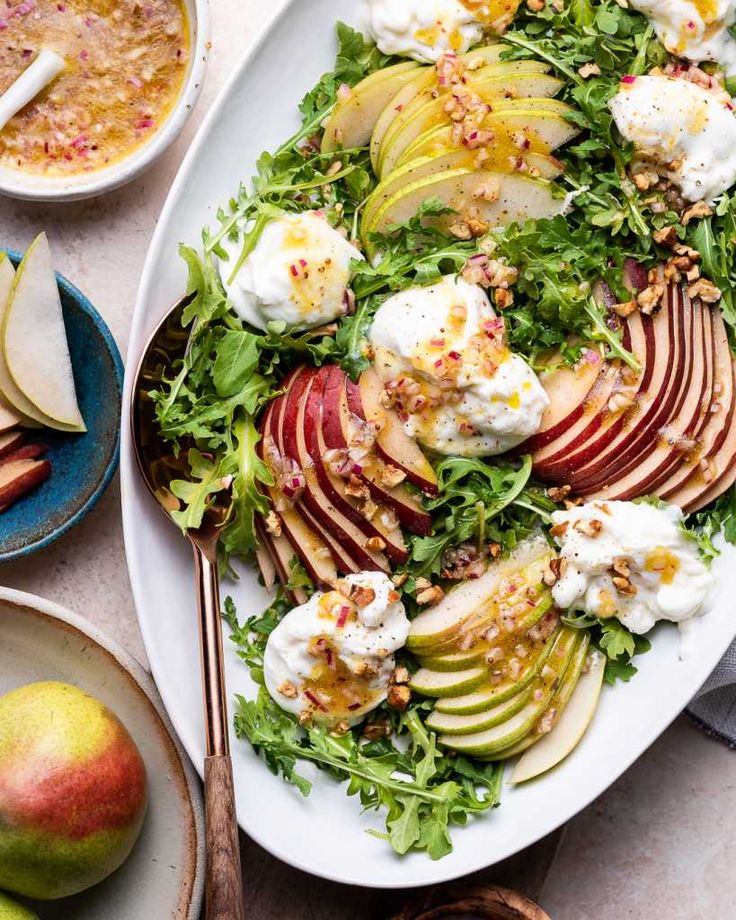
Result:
[{"x": 617, "y": 642}]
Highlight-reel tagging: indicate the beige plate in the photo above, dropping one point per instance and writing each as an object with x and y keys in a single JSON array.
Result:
[{"x": 163, "y": 879}]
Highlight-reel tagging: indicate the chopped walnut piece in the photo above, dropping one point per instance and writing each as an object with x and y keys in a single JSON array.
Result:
[
  {"x": 625, "y": 309},
  {"x": 650, "y": 299},
  {"x": 681, "y": 249},
  {"x": 495, "y": 550},
  {"x": 695, "y": 211},
  {"x": 357, "y": 489},
  {"x": 489, "y": 190},
  {"x": 503, "y": 298},
  {"x": 589, "y": 70},
  {"x": 591, "y": 528},
  {"x": 645, "y": 180},
  {"x": 704, "y": 290},
  {"x": 460, "y": 230},
  {"x": 400, "y": 579},
  {"x": 551, "y": 572},
  {"x": 667, "y": 236},
  {"x": 621, "y": 567},
  {"x": 273, "y": 524},
  {"x": 392, "y": 476},
  {"x": 375, "y": 544},
  {"x": 624, "y": 586},
  {"x": 342, "y": 728},
  {"x": 288, "y": 690},
  {"x": 361, "y": 596},
  {"x": 477, "y": 226},
  {"x": 559, "y": 530},
  {"x": 305, "y": 716},
  {"x": 400, "y": 676},
  {"x": 558, "y": 493},
  {"x": 536, "y": 6},
  {"x": 377, "y": 729},
  {"x": 422, "y": 583},
  {"x": 399, "y": 697},
  {"x": 365, "y": 669},
  {"x": 431, "y": 595}
]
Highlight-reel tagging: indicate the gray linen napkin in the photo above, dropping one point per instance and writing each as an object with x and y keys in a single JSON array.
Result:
[{"x": 714, "y": 708}]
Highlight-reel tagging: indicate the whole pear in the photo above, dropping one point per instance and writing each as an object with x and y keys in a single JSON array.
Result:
[{"x": 73, "y": 791}]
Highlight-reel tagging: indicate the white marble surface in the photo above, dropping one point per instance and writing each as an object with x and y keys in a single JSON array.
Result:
[{"x": 658, "y": 842}]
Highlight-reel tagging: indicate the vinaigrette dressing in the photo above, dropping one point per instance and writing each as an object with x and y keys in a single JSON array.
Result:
[{"x": 126, "y": 61}]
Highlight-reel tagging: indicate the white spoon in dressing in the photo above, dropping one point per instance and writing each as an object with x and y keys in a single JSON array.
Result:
[{"x": 46, "y": 67}]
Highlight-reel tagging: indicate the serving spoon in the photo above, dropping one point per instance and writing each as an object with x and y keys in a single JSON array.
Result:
[
  {"x": 35, "y": 78},
  {"x": 158, "y": 466}
]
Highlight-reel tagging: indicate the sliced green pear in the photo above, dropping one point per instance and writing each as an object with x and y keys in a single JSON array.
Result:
[
  {"x": 447, "y": 683},
  {"x": 489, "y": 695},
  {"x": 17, "y": 403},
  {"x": 499, "y": 200},
  {"x": 34, "y": 341},
  {"x": 444, "y": 723},
  {"x": 488, "y": 742},
  {"x": 355, "y": 114},
  {"x": 542, "y": 130},
  {"x": 500, "y": 159},
  {"x": 456, "y": 661},
  {"x": 490, "y": 54},
  {"x": 497, "y": 79},
  {"x": 570, "y": 727},
  {"x": 530, "y": 91},
  {"x": 476, "y": 598}
]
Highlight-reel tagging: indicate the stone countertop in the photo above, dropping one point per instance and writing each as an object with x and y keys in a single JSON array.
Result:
[{"x": 660, "y": 836}]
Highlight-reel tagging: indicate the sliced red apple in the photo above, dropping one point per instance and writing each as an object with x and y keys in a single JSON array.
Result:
[
  {"x": 392, "y": 441},
  {"x": 10, "y": 441},
  {"x": 657, "y": 403},
  {"x": 665, "y": 449},
  {"x": 320, "y": 497},
  {"x": 718, "y": 412},
  {"x": 568, "y": 389},
  {"x": 24, "y": 452},
  {"x": 604, "y": 416},
  {"x": 711, "y": 480},
  {"x": 264, "y": 558},
  {"x": 19, "y": 478},
  {"x": 308, "y": 547},
  {"x": 344, "y": 431}
]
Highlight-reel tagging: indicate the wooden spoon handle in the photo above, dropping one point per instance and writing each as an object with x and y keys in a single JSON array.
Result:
[{"x": 224, "y": 886}]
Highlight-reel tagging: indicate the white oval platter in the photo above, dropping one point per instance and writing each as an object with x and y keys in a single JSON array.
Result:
[{"x": 326, "y": 833}]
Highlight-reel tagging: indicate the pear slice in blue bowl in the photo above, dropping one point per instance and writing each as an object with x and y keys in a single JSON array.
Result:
[{"x": 81, "y": 463}]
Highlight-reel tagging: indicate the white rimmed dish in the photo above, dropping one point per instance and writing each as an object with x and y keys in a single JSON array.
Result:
[
  {"x": 164, "y": 875},
  {"x": 325, "y": 834},
  {"x": 33, "y": 187}
]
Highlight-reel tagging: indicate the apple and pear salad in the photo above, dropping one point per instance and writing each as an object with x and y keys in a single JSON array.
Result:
[{"x": 461, "y": 358}]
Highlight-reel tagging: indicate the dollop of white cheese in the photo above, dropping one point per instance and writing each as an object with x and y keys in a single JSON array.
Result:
[
  {"x": 694, "y": 29},
  {"x": 332, "y": 658},
  {"x": 680, "y": 125},
  {"x": 298, "y": 273},
  {"x": 424, "y": 29},
  {"x": 441, "y": 353},
  {"x": 631, "y": 561}
]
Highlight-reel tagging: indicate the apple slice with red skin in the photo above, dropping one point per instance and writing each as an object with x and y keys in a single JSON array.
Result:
[
  {"x": 392, "y": 441},
  {"x": 25, "y": 452},
  {"x": 338, "y": 425},
  {"x": 314, "y": 555},
  {"x": 701, "y": 489},
  {"x": 324, "y": 504},
  {"x": 19, "y": 477},
  {"x": 281, "y": 555},
  {"x": 657, "y": 403},
  {"x": 568, "y": 389},
  {"x": 264, "y": 558},
  {"x": 560, "y": 459},
  {"x": 587, "y": 423},
  {"x": 665, "y": 451},
  {"x": 718, "y": 412},
  {"x": 301, "y": 511},
  {"x": 10, "y": 441},
  {"x": 325, "y": 495}
]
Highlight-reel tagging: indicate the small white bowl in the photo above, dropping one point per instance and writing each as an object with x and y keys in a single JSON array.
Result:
[{"x": 32, "y": 187}]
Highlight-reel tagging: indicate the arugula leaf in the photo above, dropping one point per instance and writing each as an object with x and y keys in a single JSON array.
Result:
[
  {"x": 617, "y": 642},
  {"x": 418, "y": 787}
]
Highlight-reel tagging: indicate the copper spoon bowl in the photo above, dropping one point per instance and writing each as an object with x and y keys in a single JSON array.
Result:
[{"x": 158, "y": 467}]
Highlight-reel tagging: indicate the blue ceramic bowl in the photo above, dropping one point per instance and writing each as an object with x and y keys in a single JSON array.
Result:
[{"x": 82, "y": 464}]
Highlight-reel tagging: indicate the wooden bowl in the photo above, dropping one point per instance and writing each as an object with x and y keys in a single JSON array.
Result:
[{"x": 484, "y": 902}]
